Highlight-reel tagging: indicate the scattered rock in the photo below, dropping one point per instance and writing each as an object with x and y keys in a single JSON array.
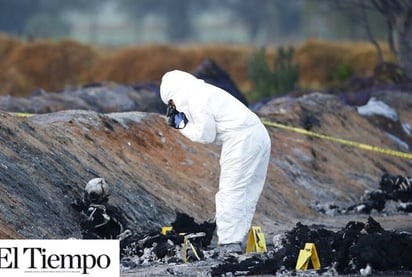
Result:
[{"x": 100, "y": 97}]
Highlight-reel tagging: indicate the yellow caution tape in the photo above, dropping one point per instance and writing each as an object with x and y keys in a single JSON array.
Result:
[
  {"x": 343, "y": 141},
  {"x": 313, "y": 134},
  {"x": 22, "y": 114}
]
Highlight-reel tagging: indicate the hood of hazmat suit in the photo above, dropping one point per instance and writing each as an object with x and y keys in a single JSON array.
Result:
[{"x": 211, "y": 111}]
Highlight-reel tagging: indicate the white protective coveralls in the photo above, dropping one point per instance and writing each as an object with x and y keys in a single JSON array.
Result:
[{"x": 214, "y": 115}]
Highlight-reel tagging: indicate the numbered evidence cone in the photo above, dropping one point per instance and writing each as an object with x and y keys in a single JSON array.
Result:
[
  {"x": 256, "y": 241},
  {"x": 309, "y": 253}
]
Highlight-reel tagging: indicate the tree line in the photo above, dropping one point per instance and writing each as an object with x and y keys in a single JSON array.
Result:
[{"x": 274, "y": 20}]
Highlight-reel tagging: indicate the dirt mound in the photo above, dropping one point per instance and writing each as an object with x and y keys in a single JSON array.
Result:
[{"x": 153, "y": 171}]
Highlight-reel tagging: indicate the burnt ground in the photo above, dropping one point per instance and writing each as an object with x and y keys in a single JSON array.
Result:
[
  {"x": 356, "y": 248},
  {"x": 153, "y": 172}
]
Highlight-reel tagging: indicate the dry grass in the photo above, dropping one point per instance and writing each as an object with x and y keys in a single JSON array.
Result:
[
  {"x": 55, "y": 65},
  {"x": 45, "y": 64},
  {"x": 7, "y": 44},
  {"x": 145, "y": 63},
  {"x": 150, "y": 62},
  {"x": 318, "y": 58}
]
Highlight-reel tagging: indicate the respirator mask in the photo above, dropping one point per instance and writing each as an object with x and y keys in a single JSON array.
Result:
[{"x": 176, "y": 119}]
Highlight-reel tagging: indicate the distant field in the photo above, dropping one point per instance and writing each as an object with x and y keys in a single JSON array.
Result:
[{"x": 55, "y": 65}]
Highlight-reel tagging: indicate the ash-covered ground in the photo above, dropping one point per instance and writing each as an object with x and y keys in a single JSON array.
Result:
[
  {"x": 186, "y": 248},
  {"x": 360, "y": 248}
]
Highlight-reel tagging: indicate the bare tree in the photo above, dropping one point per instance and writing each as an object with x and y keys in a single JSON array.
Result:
[
  {"x": 369, "y": 31},
  {"x": 398, "y": 15}
]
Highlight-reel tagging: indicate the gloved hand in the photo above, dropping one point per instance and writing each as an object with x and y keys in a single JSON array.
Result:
[
  {"x": 180, "y": 120},
  {"x": 176, "y": 119}
]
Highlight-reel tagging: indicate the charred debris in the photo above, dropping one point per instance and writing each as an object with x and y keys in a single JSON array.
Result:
[{"x": 360, "y": 247}]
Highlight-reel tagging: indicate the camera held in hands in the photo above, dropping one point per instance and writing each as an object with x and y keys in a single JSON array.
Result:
[{"x": 176, "y": 119}]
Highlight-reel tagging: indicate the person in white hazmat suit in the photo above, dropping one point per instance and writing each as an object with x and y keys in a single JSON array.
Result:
[{"x": 205, "y": 113}]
